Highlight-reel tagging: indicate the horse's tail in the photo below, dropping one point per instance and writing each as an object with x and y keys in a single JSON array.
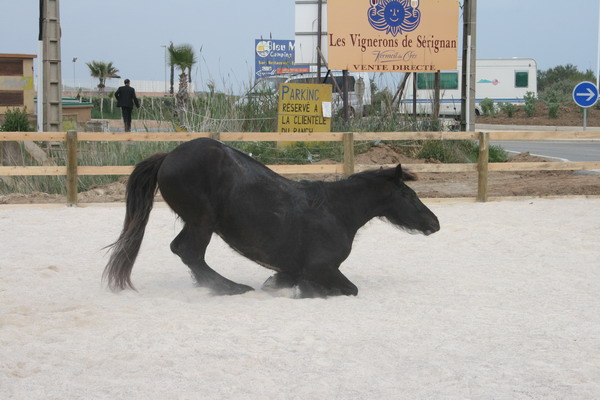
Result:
[{"x": 141, "y": 189}]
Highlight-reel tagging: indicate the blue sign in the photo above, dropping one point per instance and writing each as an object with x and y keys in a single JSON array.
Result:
[
  {"x": 585, "y": 94},
  {"x": 274, "y": 57}
]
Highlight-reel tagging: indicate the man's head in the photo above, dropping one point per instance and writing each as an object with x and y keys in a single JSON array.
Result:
[{"x": 127, "y": 81}]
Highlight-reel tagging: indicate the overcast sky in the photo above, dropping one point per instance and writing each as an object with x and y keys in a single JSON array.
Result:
[{"x": 130, "y": 33}]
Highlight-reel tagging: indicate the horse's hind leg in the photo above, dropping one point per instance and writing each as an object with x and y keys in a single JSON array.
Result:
[{"x": 190, "y": 245}]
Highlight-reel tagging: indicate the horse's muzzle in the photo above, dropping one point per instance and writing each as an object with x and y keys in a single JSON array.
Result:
[{"x": 435, "y": 226}]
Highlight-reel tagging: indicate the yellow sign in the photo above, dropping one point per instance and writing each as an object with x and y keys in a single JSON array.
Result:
[
  {"x": 16, "y": 82},
  {"x": 304, "y": 107},
  {"x": 392, "y": 35}
]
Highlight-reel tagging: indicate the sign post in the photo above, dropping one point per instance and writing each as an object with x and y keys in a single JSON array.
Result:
[{"x": 585, "y": 96}]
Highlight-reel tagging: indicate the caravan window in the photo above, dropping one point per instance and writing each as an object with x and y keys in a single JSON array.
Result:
[
  {"x": 448, "y": 80},
  {"x": 521, "y": 79}
]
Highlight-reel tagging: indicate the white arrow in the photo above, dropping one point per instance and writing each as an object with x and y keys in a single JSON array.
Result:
[{"x": 590, "y": 94}]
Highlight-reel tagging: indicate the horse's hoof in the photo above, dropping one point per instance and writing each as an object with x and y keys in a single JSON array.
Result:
[
  {"x": 350, "y": 290},
  {"x": 279, "y": 281},
  {"x": 315, "y": 290},
  {"x": 231, "y": 290}
]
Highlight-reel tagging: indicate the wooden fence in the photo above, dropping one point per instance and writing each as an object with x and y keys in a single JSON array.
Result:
[{"x": 72, "y": 170}]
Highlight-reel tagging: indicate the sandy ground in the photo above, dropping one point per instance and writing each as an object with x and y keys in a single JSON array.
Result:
[{"x": 502, "y": 303}]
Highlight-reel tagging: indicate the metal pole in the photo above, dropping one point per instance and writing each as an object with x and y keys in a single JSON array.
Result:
[
  {"x": 436, "y": 96},
  {"x": 469, "y": 62},
  {"x": 584, "y": 119},
  {"x": 345, "y": 96},
  {"x": 473, "y": 64},
  {"x": 40, "y": 88},
  {"x": 463, "y": 68},
  {"x": 414, "y": 99},
  {"x": 74, "y": 79},
  {"x": 319, "y": 33},
  {"x": 468, "y": 88}
]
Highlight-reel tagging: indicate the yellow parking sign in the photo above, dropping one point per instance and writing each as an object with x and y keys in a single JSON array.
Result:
[{"x": 304, "y": 107}]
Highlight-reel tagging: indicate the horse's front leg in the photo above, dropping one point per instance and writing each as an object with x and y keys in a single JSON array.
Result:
[
  {"x": 325, "y": 281},
  {"x": 280, "y": 280}
]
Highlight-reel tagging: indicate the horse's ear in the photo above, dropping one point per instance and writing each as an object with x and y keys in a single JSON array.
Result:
[
  {"x": 398, "y": 174},
  {"x": 404, "y": 175}
]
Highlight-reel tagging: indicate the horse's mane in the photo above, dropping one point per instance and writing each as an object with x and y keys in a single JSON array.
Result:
[
  {"x": 316, "y": 191},
  {"x": 387, "y": 173},
  {"x": 316, "y": 194}
]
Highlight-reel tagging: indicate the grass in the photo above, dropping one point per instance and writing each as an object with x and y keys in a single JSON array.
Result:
[{"x": 458, "y": 151}]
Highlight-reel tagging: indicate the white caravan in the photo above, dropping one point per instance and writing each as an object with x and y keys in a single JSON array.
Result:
[{"x": 506, "y": 80}]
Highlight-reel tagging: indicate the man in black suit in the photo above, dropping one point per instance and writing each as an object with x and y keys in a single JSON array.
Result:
[{"x": 126, "y": 98}]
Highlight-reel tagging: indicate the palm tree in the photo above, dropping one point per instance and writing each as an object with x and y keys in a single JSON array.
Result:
[
  {"x": 102, "y": 71},
  {"x": 183, "y": 57},
  {"x": 172, "y": 67}
]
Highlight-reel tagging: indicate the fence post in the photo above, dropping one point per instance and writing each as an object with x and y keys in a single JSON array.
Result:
[
  {"x": 71, "y": 168},
  {"x": 482, "y": 166},
  {"x": 348, "y": 153}
]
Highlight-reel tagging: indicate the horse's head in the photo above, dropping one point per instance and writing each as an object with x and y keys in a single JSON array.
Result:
[{"x": 404, "y": 209}]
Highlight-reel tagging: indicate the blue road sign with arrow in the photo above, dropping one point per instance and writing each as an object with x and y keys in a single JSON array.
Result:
[{"x": 585, "y": 94}]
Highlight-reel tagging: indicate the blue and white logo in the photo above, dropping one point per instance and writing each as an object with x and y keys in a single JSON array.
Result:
[
  {"x": 585, "y": 94},
  {"x": 394, "y": 16}
]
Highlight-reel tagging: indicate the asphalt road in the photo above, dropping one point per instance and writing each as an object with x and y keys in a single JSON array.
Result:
[
  {"x": 560, "y": 149},
  {"x": 572, "y": 151}
]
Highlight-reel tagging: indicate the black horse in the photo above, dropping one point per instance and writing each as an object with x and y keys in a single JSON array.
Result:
[{"x": 302, "y": 230}]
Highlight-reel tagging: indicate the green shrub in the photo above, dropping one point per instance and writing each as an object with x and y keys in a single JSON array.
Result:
[
  {"x": 563, "y": 73},
  {"x": 530, "y": 102},
  {"x": 497, "y": 154},
  {"x": 105, "y": 108},
  {"x": 553, "y": 110},
  {"x": 529, "y": 110},
  {"x": 560, "y": 92},
  {"x": 507, "y": 108},
  {"x": 381, "y": 103},
  {"x": 487, "y": 106},
  {"x": 458, "y": 151},
  {"x": 16, "y": 120}
]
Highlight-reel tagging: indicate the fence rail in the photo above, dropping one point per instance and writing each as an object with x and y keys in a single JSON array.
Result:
[{"x": 72, "y": 170}]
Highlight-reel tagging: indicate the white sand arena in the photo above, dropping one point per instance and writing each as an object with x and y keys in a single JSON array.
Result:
[{"x": 502, "y": 303}]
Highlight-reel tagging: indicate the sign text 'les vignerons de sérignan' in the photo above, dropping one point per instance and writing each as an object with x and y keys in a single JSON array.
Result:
[{"x": 392, "y": 35}]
